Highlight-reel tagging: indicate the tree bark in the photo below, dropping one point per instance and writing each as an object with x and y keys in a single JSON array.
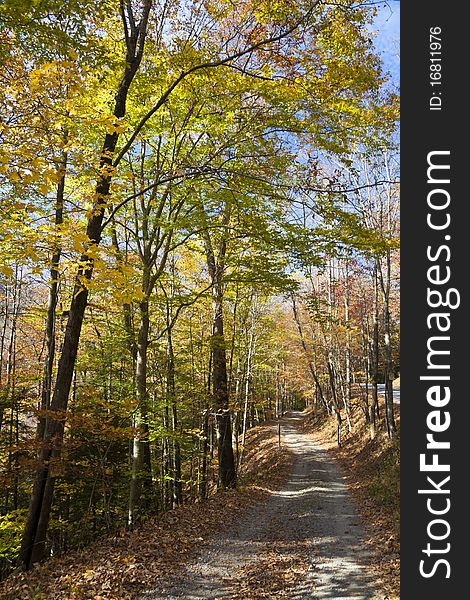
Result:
[
  {"x": 374, "y": 408},
  {"x": 33, "y": 546},
  {"x": 227, "y": 472},
  {"x": 177, "y": 488},
  {"x": 389, "y": 408},
  {"x": 52, "y": 305},
  {"x": 141, "y": 478},
  {"x": 227, "y": 476}
]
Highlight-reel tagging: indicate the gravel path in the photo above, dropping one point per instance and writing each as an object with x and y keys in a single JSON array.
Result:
[{"x": 304, "y": 543}]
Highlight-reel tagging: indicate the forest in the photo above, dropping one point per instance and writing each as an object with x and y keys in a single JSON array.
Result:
[{"x": 199, "y": 207}]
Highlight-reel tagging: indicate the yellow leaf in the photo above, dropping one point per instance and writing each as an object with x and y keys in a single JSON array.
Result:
[{"x": 6, "y": 270}]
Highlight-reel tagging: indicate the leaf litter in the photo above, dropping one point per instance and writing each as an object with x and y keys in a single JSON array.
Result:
[{"x": 126, "y": 563}]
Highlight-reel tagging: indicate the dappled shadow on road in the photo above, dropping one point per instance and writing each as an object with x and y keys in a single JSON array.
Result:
[{"x": 305, "y": 542}]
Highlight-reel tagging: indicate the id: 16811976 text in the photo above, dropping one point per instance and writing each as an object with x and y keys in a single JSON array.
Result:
[{"x": 435, "y": 68}]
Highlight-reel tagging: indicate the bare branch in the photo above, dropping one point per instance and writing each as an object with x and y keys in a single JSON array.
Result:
[{"x": 209, "y": 65}]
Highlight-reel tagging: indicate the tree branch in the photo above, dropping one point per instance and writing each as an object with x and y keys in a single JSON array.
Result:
[{"x": 209, "y": 65}]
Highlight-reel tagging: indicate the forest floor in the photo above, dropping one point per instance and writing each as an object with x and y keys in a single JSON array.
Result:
[
  {"x": 124, "y": 564},
  {"x": 291, "y": 530}
]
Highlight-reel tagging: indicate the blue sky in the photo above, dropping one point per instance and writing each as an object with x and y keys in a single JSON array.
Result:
[{"x": 387, "y": 40}]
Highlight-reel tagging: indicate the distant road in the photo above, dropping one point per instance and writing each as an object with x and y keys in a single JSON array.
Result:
[
  {"x": 396, "y": 392},
  {"x": 381, "y": 390}
]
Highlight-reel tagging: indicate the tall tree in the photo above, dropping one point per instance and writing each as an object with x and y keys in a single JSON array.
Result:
[{"x": 33, "y": 547}]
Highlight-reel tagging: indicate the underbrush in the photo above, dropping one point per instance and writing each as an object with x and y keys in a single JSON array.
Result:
[
  {"x": 123, "y": 564},
  {"x": 384, "y": 487}
]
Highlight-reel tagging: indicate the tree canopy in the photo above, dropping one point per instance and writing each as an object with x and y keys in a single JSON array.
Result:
[{"x": 199, "y": 221}]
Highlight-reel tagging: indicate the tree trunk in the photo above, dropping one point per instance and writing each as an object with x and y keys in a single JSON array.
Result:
[
  {"x": 10, "y": 395},
  {"x": 141, "y": 480},
  {"x": 375, "y": 355},
  {"x": 33, "y": 545},
  {"x": 366, "y": 365},
  {"x": 3, "y": 392},
  {"x": 227, "y": 472},
  {"x": 347, "y": 397},
  {"x": 177, "y": 489},
  {"x": 205, "y": 436},
  {"x": 248, "y": 384},
  {"x": 389, "y": 408},
  {"x": 304, "y": 346},
  {"x": 126, "y": 307},
  {"x": 51, "y": 307}
]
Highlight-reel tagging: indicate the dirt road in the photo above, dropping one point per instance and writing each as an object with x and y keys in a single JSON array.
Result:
[{"x": 304, "y": 543}]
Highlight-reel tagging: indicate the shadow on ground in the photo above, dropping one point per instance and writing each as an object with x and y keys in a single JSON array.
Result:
[{"x": 304, "y": 543}]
